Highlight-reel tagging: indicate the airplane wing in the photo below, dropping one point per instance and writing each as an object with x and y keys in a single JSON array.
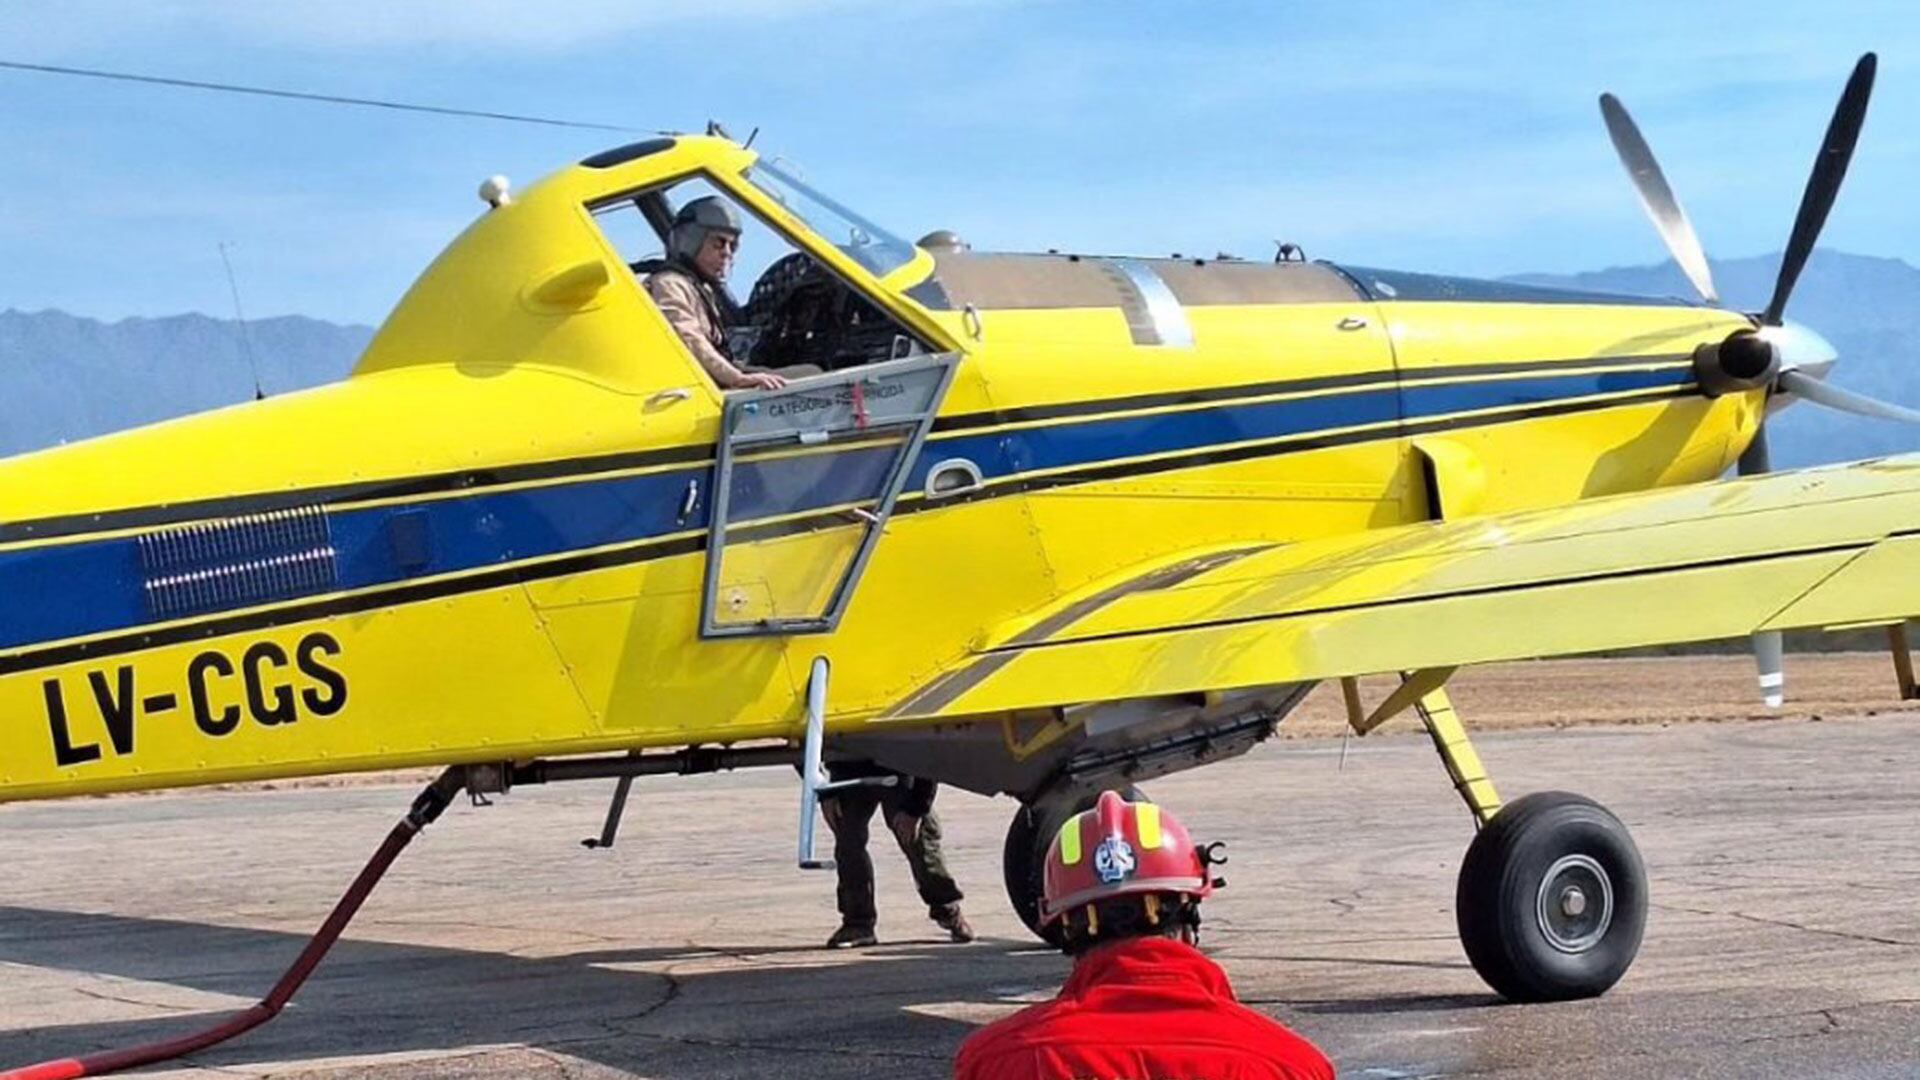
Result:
[{"x": 1826, "y": 547}]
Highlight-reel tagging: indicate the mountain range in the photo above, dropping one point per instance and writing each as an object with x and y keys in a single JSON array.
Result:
[{"x": 65, "y": 377}]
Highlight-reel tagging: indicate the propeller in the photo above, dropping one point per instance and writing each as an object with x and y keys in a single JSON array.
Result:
[
  {"x": 1805, "y": 386},
  {"x": 1785, "y": 358},
  {"x": 1661, "y": 204},
  {"x": 1823, "y": 186}
]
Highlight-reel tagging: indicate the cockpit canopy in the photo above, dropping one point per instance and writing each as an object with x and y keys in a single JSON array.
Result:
[{"x": 874, "y": 248}]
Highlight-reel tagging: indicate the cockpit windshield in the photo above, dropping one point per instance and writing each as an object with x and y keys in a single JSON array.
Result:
[{"x": 874, "y": 248}]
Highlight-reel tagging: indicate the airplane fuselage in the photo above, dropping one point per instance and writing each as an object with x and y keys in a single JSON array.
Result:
[{"x": 490, "y": 542}]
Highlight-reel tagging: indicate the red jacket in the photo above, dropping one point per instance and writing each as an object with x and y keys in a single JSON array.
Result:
[{"x": 1141, "y": 1009}]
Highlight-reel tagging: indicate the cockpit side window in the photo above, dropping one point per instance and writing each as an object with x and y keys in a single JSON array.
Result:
[{"x": 777, "y": 309}]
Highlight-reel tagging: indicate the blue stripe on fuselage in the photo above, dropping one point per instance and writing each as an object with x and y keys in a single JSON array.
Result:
[
  {"x": 89, "y": 587},
  {"x": 96, "y": 586},
  {"x": 1091, "y": 442},
  {"x": 1439, "y": 399}
]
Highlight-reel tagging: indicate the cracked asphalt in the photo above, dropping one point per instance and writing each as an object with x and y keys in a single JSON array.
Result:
[{"x": 1783, "y": 940}]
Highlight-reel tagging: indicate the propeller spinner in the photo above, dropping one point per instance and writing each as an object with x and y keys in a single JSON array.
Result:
[{"x": 1749, "y": 359}]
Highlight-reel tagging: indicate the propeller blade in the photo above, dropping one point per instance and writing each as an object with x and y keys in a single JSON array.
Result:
[
  {"x": 1801, "y": 385},
  {"x": 1769, "y": 655},
  {"x": 1661, "y": 204},
  {"x": 1755, "y": 459},
  {"x": 1836, "y": 151}
]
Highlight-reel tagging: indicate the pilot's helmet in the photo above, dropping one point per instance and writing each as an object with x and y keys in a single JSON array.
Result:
[
  {"x": 709, "y": 213},
  {"x": 944, "y": 241}
]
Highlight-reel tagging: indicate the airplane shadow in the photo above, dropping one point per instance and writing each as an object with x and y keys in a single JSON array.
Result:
[{"x": 689, "y": 1010}]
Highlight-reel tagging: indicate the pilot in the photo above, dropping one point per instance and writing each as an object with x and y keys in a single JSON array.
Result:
[
  {"x": 906, "y": 805},
  {"x": 1125, "y": 882},
  {"x": 690, "y": 290}
]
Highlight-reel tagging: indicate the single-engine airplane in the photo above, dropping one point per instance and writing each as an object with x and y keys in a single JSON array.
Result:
[{"x": 1047, "y": 524}]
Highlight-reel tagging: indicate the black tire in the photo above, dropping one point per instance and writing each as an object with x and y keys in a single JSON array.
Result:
[
  {"x": 1023, "y": 857},
  {"x": 1552, "y": 899}
]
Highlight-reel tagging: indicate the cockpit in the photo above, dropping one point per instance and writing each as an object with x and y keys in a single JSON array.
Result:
[{"x": 783, "y": 310}]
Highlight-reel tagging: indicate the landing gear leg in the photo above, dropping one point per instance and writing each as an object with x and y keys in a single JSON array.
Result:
[
  {"x": 1552, "y": 896},
  {"x": 1456, "y": 751},
  {"x": 1425, "y": 692},
  {"x": 1902, "y": 661}
]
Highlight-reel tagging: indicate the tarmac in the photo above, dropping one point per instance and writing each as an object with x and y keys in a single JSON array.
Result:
[{"x": 1782, "y": 941}]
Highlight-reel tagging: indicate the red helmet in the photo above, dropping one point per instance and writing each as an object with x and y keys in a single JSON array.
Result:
[{"x": 1120, "y": 848}]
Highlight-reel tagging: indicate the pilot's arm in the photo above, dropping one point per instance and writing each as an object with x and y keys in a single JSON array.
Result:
[{"x": 687, "y": 312}]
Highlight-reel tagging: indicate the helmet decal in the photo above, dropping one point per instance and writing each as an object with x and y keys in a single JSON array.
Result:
[{"x": 1113, "y": 860}]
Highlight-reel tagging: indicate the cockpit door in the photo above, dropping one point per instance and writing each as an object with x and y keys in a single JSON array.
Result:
[{"x": 805, "y": 480}]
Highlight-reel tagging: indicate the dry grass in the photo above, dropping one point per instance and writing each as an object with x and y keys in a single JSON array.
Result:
[{"x": 1656, "y": 690}]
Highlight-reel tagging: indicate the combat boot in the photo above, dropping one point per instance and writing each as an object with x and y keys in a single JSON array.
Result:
[
  {"x": 850, "y": 936},
  {"x": 949, "y": 918}
]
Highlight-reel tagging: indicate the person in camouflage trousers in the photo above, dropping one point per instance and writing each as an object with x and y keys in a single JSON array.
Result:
[{"x": 906, "y": 805}]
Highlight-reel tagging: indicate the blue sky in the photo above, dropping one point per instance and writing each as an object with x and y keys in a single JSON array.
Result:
[{"x": 1457, "y": 137}]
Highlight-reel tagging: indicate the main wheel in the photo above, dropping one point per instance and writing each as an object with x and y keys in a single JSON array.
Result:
[
  {"x": 1552, "y": 899},
  {"x": 1023, "y": 859}
]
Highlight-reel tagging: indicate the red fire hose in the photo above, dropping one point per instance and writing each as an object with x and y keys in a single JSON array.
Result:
[{"x": 426, "y": 808}]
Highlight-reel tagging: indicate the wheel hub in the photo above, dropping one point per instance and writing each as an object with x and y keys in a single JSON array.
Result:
[{"x": 1575, "y": 904}]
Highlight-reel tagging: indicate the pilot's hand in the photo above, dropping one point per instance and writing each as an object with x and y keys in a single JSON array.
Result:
[{"x": 759, "y": 380}]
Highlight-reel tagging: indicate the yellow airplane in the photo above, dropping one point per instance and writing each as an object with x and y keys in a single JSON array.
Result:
[{"x": 1045, "y": 524}]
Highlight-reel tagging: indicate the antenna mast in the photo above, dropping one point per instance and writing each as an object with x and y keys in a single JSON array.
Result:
[{"x": 246, "y": 341}]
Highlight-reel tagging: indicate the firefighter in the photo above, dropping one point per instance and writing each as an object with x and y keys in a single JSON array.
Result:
[{"x": 1124, "y": 881}]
